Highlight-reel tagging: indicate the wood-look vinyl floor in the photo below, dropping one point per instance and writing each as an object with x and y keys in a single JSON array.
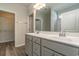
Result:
[{"x": 8, "y": 49}]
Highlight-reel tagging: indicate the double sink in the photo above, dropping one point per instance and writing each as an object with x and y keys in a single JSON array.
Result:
[{"x": 60, "y": 38}]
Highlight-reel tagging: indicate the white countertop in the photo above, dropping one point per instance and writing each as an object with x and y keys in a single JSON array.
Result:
[{"x": 68, "y": 40}]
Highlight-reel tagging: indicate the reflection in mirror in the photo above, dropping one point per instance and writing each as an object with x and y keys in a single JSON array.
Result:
[
  {"x": 38, "y": 24},
  {"x": 58, "y": 17},
  {"x": 70, "y": 21},
  {"x": 44, "y": 20}
]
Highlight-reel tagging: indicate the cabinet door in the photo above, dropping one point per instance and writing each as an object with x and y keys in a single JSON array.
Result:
[
  {"x": 47, "y": 52},
  {"x": 36, "y": 49},
  {"x": 30, "y": 48},
  {"x": 36, "y": 40},
  {"x": 60, "y": 48},
  {"x": 57, "y": 54},
  {"x": 34, "y": 54},
  {"x": 28, "y": 45}
]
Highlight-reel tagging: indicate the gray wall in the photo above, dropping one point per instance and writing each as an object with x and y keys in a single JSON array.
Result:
[{"x": 46, "y": 21}]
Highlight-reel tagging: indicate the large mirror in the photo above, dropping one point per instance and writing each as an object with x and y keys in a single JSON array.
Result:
[{"x": 58, "y": 17}]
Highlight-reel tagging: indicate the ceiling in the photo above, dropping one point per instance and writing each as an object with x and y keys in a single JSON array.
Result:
[{"x": 55, "y": 5}]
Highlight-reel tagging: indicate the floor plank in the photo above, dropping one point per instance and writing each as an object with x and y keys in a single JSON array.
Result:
[
  {"x": 8, "y": 49},
  {"x": 2, "y": 50}
]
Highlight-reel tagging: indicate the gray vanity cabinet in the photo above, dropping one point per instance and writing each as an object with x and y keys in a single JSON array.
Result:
[
  {"x": 36, "y": 46},
  {"x": 47, "y": 52},
  {"x": 62, "y": 49},
  {"x": 57, "y": 54},
  {"x": 36, "y": 49},
  {"x": 28, "y": 45}
]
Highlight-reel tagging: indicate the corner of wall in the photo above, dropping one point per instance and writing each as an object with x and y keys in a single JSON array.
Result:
[{"x": 18, "y": 45}]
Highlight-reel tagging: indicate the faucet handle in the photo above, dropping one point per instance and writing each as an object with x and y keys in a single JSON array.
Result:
[
  {"x": 60, "y": 33},
  {"x": 64, "y": 33}
]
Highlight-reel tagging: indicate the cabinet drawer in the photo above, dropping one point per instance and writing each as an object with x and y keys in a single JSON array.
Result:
[
  {"x": 28, "y": 47},
  {"x": 30, "y": 44},
  {"x": 28, "y": 37},
  {"x": 36, "y": 39},
  {"x": 61, "y": 48},
  {"x": 34, "y": 54},
  {"x": 47, "y": 52},
  {"x": 36, "y": 49}
]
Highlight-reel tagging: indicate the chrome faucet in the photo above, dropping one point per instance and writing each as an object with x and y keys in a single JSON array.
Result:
[
  {"x": 37, "y": 32},
  {"x": 62, "y": 33}
]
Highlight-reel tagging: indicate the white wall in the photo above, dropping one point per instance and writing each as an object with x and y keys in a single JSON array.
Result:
[{"x": 20, "y": 15}]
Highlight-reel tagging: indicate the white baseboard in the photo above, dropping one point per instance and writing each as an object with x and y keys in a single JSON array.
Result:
[{"x": 20, "y": 45}]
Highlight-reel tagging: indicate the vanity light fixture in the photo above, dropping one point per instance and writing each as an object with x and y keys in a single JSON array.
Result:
[{"x": 38, "y": 6}]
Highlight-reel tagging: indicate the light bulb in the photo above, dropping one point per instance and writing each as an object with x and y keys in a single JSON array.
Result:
[{"x": 38, "y": 6}]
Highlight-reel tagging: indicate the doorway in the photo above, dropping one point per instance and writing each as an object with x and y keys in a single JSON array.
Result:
[{"x": 7, "y": 27}]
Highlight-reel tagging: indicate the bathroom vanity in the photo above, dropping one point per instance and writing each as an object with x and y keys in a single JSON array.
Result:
[
  {"x": 51, "y": 45},
  {"x": 56, "y": 21}
]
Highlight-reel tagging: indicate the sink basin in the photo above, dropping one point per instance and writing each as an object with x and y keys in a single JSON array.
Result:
[
  {"x": 74, "y": 39},
  {"x": 69, "y": 38},
  {"x": 66, "y": 38},
  {"x": 53, "y": 36}
]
